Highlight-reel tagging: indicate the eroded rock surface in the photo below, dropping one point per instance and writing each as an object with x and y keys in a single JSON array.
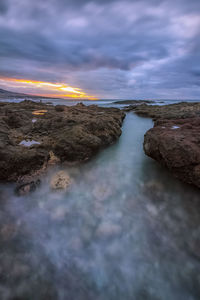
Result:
[
  {"x": 175, "y": 143},
  {"x": 60, "y": 181},
  {"x": 60, "y": 133},
  {"x": 172, "y": 111}
]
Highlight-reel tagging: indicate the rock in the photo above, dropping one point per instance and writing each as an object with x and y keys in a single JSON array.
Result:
[
  {"x": 60, "y": 108},
  {"x": 174, "y": 141},
  {"x": 66, "y": 134},
  {"x": 26, "y": 188},
  {"x": 154, "y": 190},
  {"x": 172, "y": 111},
  {"x": 53, "y": 160},
  {"x": 75, "y": 136},
  {"x": 136, "y": 102},
  {"x": 177, "y": 149},
  {"x": 60, "y": 181}
]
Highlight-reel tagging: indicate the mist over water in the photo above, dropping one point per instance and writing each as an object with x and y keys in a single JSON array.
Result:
[{"x": 126, "y": 229}]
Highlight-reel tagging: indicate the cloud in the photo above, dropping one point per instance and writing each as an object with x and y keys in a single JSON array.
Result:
[
  {"x": 3, "y": 7},
  {"x": 110, "y": 48}
]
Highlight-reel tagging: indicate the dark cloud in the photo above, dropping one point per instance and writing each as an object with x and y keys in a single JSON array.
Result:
[
  {"x": 3, "y": 7},
  {"x": 115, "y": 48}
]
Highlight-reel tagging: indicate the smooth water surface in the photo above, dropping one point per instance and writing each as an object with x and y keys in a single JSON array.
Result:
[{"x": 125, "y": 230}]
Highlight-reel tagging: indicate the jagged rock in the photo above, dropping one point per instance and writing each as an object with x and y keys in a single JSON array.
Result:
[
  {"x": 174, "y": 141},
  {"x": 53, "y": 159},
  {"x": 176, "y": 144},
  {"x": 26, "y": 188},
  {"x": 71, "y": 134},
  {"x": 60, "y": 181},
  {"x": 172, "y": 111},
  {"x": 60, "y": 108}
]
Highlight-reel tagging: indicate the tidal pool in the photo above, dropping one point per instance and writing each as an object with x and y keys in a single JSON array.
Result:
[{"x": 126, "y": 229}]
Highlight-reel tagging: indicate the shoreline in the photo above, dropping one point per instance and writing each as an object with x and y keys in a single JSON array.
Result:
[
  {"x": 35, "y": 136},
  {"x": 174, "y": 139},
  {"x": 36, "y": 139}
]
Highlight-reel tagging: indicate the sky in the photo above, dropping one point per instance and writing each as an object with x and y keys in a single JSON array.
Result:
[{"x": 134, "y": 49}]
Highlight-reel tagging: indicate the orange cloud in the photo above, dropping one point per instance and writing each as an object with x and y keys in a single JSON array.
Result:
[{"x": 49, "y": 89}]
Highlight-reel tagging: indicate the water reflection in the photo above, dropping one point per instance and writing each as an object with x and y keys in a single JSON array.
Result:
[
  {"x": 40, "y": 112},
  {"x": 124, "y": 230}
]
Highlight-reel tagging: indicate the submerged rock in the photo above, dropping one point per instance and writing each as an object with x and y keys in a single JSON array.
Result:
[
  {"x": 60, "y": 181},
  {"x": 26, "y": 188},
  {"x": 154, "y": 189}
]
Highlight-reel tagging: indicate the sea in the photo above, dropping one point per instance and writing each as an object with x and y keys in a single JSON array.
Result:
[{"x": 100, "y": 102}]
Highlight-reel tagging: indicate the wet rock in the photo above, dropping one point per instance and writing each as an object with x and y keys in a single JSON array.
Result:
[
  {"x": 154, "y": 190},
  {"x": 59, "y": 108},
  {"x": 60, "y": 181},
  {"x": 26, "y": 188},
  {"x": 171, "y": 111},
  {"x": 64, "y": 134},
  {"x": 174, "y": 141},
  {"x": 53, "y": 159},
  {"x": 136, "y": 102},
  {"x": 178, "y": 150}
]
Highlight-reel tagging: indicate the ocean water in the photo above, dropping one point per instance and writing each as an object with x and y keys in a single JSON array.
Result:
[
  {"x": 125, "y": 230},
  {"x": 100, "y": 102}
]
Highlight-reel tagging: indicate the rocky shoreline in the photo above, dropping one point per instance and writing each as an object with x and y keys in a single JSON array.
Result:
[
  {"x": 174, "y": 141},
  {"x": 36, "y": 135}
]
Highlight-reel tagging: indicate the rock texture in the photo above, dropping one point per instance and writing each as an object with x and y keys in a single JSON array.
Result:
[
  {"x": 134, "y": 102},
  {"x": 172, "y": 111},
  {"x": 60, "y": 181},
  {"x": 174, "y": 140},
  {"x": 60, "y": 133}
]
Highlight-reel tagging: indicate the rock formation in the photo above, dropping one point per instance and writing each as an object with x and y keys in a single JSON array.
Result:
[
  {"x": 176, "y": 144},
  {"x": 33, "y": 135},
  {"x": 174, "y": 141}
]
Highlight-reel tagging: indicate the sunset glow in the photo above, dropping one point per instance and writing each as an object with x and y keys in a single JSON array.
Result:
[{"x": 47, "y": 89}]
